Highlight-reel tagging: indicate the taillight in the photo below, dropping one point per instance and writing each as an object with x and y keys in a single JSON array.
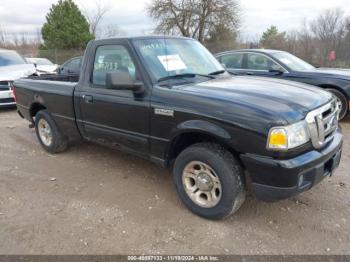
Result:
[{"x": 13, "y": 89}]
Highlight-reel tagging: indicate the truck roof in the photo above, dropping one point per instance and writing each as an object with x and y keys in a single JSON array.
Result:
[{"x": 143, "y": 37}]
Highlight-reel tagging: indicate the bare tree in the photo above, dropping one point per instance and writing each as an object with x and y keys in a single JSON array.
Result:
[
  {"x": 24, "y": 39},
  {"x": 3, "y": 37},
  {"x": 194, "y": 18},
  {"x": 292, "y": 42},
  {"x": 16, "y": 40},
  {"x": 113, "y": 31},
  {"x": 95, "y": 18},
  {"x": 22, "y": 42},
  {"x": 38, "y": 37},
  {"x": 249, "y": 41},
  {"x": 346, "y": 40},
  {"x": 329, "y": 29},
  {"x": 306, "y": 42}
]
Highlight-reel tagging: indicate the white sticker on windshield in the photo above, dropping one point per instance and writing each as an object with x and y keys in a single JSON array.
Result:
[
  {"x": 285, "y": 61},
  {"x": 172, "y": 62}
]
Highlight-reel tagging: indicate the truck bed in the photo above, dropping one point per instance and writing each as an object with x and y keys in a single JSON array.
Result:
[
  {"x": 55, "y": 77},
  {"x": 55, "y": 93}
]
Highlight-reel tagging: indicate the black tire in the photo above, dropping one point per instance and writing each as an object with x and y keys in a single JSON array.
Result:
[
  {"x": 58, "y": 143},
  {"x": 227, "y": 169},
  {"x": 344, "y": 102}
]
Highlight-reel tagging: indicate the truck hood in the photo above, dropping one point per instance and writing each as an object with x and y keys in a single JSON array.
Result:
[
  {"x": 274, "y": 98},
  {"x": 14, "y": 72}
]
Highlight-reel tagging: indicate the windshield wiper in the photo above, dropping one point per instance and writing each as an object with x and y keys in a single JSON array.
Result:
[
  {"x": 190, "y": 75},
  {"x": 217, "y": 72}
]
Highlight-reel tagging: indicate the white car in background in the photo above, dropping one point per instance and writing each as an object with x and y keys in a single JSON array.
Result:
[
  {"x": 12, "y": 67},
  {"x": 43, "y": 65}
]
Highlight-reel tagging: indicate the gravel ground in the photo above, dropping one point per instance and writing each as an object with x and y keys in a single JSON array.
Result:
[{"x": 93, "y": 200}]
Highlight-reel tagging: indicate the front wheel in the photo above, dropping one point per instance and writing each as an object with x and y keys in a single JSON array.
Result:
[
  {"x": 209, "y": 180},
  {"x": 342, "y": 102}
]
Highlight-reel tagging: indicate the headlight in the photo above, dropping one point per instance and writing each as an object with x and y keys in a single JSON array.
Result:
[{"x": 288, "y": 137}]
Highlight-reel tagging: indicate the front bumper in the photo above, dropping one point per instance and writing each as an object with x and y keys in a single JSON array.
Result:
[{"x": 274, "y": 179}]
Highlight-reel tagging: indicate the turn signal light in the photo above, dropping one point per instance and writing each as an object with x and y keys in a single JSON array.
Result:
[{"x": 278, "y": 139}]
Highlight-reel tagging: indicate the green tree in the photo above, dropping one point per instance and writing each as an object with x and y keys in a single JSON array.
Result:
[
  {"x": 65, "y": 27},
  {"x": 273, "y": 39}
]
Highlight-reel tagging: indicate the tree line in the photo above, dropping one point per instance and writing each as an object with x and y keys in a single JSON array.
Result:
[{"x": 324, "y": 41}]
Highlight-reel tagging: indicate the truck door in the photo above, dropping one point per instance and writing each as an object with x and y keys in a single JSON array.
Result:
[{"x": 119, "y": 118}]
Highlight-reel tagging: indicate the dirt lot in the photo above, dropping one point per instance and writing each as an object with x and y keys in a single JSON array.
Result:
[{"x": 93, "y": 200}]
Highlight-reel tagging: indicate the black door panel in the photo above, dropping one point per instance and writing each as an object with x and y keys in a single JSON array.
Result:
[{"x": 116, "y": 117}]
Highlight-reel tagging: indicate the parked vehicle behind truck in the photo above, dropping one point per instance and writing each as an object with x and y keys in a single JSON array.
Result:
[
  {"x": 283, "y": 65},
  {"x": 71, "y": 67},
  {"x": 43, "y": 65},
  {"x": 169, "y": 100},
  {"x": 12, "y": 67}
]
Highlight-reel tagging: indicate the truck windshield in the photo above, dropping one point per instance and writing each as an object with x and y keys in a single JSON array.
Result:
[
  {"x": 167, "y": 57},
  {"x": 293, "y": 62},
  {"x": 8, "y": 58}
]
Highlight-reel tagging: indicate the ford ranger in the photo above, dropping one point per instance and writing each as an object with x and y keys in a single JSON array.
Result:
[{"x": 169, "y": 100}]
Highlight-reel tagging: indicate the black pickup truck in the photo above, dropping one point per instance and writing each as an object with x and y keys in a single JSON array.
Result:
[{"x": 168, "y": 99}]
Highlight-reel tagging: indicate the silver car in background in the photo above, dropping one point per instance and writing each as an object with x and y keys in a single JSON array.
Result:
[
  {"x": 43, "y": 65},
  {"x": 12, "y": 67}
]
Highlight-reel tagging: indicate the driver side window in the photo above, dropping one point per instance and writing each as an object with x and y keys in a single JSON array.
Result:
[
  {"x": 261, "y": 63},
  {"x": 111, "y": 58}
]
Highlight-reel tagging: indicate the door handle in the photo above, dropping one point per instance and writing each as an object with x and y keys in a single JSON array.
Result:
[
  {"x": 249, "y": 73},
  {"x": 88, "y": 99}
]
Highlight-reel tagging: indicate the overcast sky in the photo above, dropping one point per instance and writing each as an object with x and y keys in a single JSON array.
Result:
[{"x": 17, "y": 16}]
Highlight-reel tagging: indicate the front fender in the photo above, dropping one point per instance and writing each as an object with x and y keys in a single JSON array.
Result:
[{"x": 201, "y": 126}]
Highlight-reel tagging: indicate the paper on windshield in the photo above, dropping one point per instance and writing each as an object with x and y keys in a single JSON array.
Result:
[{"x": 172, "y": 62}]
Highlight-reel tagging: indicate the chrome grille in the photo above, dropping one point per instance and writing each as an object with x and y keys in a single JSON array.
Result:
[{"x": 322, "y": 123}]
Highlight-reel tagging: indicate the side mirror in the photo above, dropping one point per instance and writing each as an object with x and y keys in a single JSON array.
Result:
[
  {"x": 276, "y": 71},
  {"x": 120, "y": 80}
]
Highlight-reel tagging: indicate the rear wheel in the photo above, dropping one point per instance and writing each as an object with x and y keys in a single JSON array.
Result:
[
  {"x": 342, "y": 102},
  {"x": 49, "y": 136},
  {"x": 209, "y": 180}
]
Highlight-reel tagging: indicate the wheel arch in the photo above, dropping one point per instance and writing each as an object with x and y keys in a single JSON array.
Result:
[
  {"x": 343, "y": 93},
  {"x": 197, "y": 131},
  {"x": 35, "y": 108},
  {"x": 332, "y": 86}
]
